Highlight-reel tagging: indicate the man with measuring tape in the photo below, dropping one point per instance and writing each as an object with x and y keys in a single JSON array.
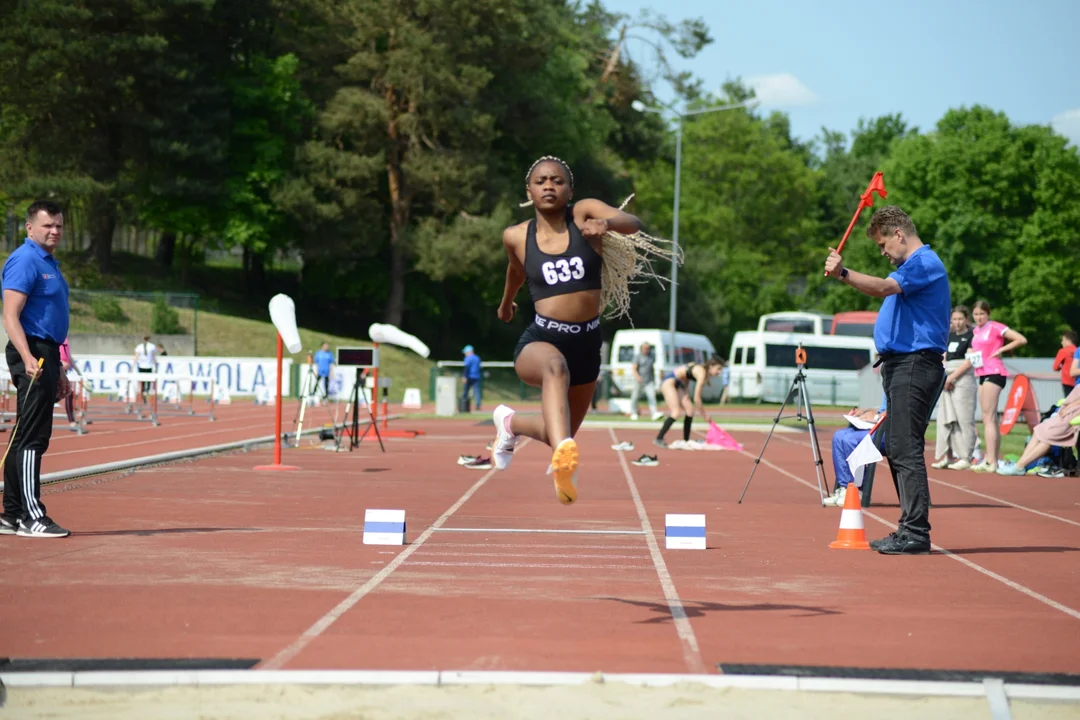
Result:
[{"x": 36, "y": 316}]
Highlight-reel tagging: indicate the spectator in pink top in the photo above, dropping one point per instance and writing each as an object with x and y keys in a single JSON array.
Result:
[{"x": 990, "y": 341}]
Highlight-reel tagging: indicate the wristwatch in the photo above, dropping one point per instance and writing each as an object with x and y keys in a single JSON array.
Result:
[{"x": 843, "y": 273}]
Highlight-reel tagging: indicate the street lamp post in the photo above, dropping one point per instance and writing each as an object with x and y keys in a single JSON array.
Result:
[{"x": 642, "y": 107}]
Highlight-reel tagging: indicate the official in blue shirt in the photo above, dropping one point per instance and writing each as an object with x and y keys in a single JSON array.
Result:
[
  {"x": 472, "y": 375},
  {"x": 36, "y": 318},
  {"x": 911, "y": 334},
  {"x": 324, "y": 360}
]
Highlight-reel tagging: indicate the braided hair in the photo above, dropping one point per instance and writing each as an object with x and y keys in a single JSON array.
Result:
[{"x": 547, "y": 158}]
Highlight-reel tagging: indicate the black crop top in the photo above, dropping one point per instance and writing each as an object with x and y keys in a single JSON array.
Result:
[{"x": 575, "y": 269}]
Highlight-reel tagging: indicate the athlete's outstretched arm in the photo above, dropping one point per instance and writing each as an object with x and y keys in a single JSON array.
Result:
[
  {"x": 515, "y": 278},
  {"x": 589, "y": 210}
]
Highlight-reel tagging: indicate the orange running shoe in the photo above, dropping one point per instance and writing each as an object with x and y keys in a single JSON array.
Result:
[{"x": 564, "y": 464}]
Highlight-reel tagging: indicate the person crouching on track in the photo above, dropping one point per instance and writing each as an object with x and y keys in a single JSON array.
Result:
[
  {"x": 675, "y": 388},
  {"x": 561, "y": 254}
]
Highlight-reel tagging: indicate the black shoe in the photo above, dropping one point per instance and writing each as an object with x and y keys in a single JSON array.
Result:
[
  {"x": 42, "y": 527},
  {"x": 659, "y": 443},
  {"x": 901, "y": 544},
  {"x": 8, "y": 525},
  {"x": 888, "y": 538}
]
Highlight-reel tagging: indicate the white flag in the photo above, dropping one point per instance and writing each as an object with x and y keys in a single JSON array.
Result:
[{"x": 865, "y": 453}]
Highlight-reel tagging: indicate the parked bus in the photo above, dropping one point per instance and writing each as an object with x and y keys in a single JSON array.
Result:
[
  {"x": 858, "y": 323},
  {"x": 796, "y": 321},
  {"x": 763, "y": 366}
]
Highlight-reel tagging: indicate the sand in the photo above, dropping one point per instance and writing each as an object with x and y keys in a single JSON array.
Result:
[{"x": 607, "y": 701}]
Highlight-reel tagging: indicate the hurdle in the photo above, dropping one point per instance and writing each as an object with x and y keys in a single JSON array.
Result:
[
  {"x": 171, "y": 400},
  {"x": 8, "y": 406},
  {"x": 125, "y": 388}
]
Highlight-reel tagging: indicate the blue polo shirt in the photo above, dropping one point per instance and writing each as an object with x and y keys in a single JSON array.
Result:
[
  {"x": 35, "y": 273},
  {"x": 472, "y": 367},
  {"x": 918, "y": 317},
  {"x": 323, "y": 360}
]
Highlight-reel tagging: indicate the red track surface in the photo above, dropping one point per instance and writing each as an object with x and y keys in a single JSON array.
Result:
[{"x": 213, "y": 559}]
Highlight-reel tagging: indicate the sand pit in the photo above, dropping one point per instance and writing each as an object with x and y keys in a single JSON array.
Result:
[{"x": 609, "y": 701}]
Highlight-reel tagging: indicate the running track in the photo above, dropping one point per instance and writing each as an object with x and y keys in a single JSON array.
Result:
[{"x": 212, "y": 559}]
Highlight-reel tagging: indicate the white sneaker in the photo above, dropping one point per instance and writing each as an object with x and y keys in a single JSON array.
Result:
[
  {"x": 942, "y": 463},
  {"x": 502, "y": 452},
  {"x": 657, "y": 415},
  {"x": 633, "y": 416},
  {"x": 837, "y": 498},
  {"x": 959, "y": 465}
]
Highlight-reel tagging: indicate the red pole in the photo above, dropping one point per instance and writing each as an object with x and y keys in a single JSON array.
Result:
[
  {"x": 277, "y": 419},
  {"x": 277, "y": 406}
]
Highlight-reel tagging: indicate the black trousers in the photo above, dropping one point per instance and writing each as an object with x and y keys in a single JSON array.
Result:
[
  {"x": 913, "y": 382},
  {"x": 34, "y": 414}
]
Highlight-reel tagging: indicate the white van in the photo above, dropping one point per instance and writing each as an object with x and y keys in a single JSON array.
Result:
[
  {"x": 763, "y": 366},
  {"x": 796, "y": 321},
  {"x": 689, "y": 347}
]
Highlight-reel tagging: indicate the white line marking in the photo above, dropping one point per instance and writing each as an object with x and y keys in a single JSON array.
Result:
[
  {"x": 997, "y": 699},
  {"x": 529, "y": 530},
  {"x": 972, "y": 492},
  {"x": 974, "y": 566},
  {"x": 357, "y": 595},
  {"x": 436, "y": 678},
  {"x": 559, "y": 566},
  {"x": 691, "y": 650},
  {"x": 529, "y": 546},
  {"x": 429, "y": 553},
  {"x": 1006, "y": 502}
]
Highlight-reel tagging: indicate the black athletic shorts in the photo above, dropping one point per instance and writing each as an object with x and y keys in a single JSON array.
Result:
[
  {"x": 995, "y": 379},
  {"x": 578, "y": 342}
]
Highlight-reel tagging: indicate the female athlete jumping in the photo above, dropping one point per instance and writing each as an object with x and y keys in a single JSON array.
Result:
[{"x": 576, "y": 259}]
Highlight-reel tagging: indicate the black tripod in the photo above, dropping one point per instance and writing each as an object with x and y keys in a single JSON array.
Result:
[
  {"x": 802, "y": 399},
  {"x": 354, "y": 402}
]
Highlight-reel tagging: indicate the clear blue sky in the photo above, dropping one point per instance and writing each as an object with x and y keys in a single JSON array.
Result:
[{"x": 830, "y": 62}]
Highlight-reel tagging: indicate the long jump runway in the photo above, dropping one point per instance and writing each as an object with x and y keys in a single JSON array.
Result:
[{"x": 213, "y": 560}]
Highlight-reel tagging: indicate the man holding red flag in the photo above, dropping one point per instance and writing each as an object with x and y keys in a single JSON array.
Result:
[{"x": 911, "y": 334}]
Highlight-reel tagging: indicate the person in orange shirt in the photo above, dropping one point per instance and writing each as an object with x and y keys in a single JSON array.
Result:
[{"x": 1063, "y": 360}]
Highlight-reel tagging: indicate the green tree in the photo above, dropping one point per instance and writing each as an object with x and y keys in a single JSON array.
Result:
[
  {"x": 992, "y": 199},
  {"x": 747, "y": 201},
  {"x": 842, "y": 176},
  {"x": 77, "y": 113}
]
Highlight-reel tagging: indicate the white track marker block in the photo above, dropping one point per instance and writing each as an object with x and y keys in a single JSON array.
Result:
[
  {"x": 384, "y": 527},
  {"x": 412, "y": 399},
  {"x": 684, "y": 532}
]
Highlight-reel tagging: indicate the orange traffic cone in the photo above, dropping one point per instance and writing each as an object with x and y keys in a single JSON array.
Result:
[{"x": 852, "y": 535}]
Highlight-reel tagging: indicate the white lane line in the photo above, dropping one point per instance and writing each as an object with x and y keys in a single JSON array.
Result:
[
  {"x": 557, "y": 566},
  {"x": 973, "y": 492},
  {"x": 963, "y": 560},
  {"x": 357, "y": 595},
  {"x": 685, "y": 631},
  {"x": 554, "y": 531}
]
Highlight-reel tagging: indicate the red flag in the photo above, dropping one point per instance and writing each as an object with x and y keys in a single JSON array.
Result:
[
  {"x": 1021, "y": 398},
  {"x": 877, "y": 185}
]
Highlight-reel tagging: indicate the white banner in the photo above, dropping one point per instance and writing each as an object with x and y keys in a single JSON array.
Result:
[{"x": 243, "y": 376}]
